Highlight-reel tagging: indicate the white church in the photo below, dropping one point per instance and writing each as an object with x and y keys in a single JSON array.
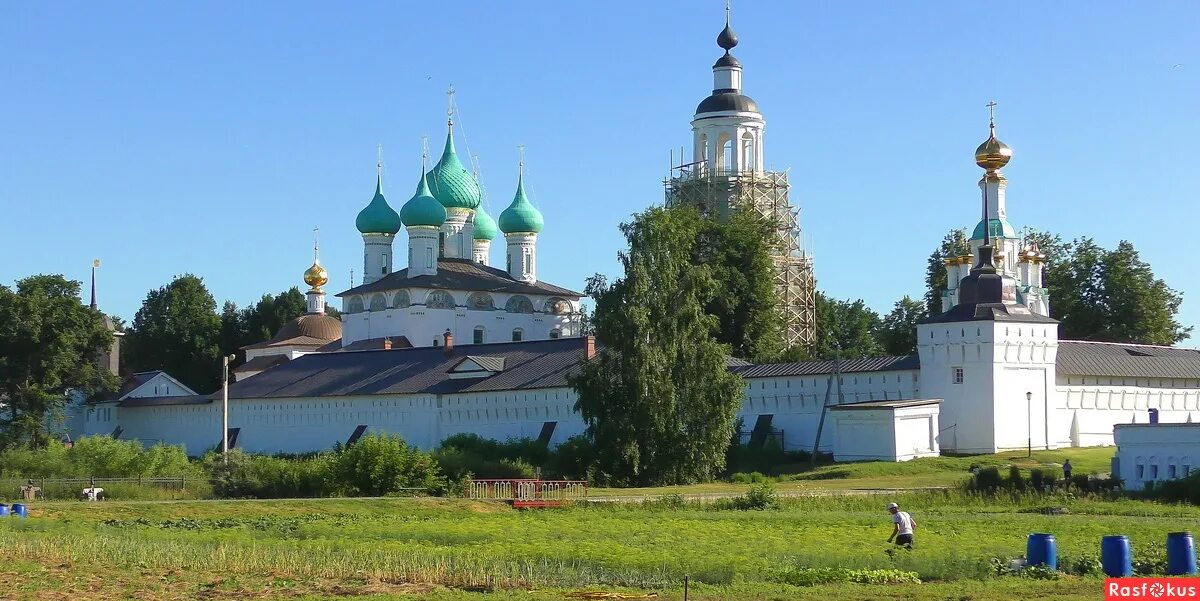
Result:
[{"x": 450, "y": 344}]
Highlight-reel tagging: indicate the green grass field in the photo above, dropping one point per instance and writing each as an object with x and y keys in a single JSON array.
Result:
[{"x": 447, "y": 549}]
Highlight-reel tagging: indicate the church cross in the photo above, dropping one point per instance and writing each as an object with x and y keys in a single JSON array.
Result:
[{"x": 992, "y": 112}]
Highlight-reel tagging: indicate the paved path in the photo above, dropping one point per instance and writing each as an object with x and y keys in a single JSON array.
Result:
[{"x": 712, "y": 496}]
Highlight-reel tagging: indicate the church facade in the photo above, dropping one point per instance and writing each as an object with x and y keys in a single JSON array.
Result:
[{"x": 449, "y": 345}]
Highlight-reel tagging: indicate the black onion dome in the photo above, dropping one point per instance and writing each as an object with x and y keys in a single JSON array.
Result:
[
  {"x": 727, "y": 39},
  {"x": 727, "y": 101},
  {"x": 727, "y": 61}
]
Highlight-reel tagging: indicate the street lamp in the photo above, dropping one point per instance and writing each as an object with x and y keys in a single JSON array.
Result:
[
  {"x": 1029, "y": 424},
  {"x": 225, "y": 407}
]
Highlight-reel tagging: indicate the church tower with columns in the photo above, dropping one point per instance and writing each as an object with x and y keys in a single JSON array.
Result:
[{"x": 727, "y": 170}]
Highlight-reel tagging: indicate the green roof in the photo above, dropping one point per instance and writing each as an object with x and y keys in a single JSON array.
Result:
[
  {"x": 521, "y": 216},
  {"x": 998, "y": 228},
  {"x": 452, "y": 184},
  {"x": 378, "y": 217},
  {"x": 423, "y": 208},
  {"x": 485, "y": 226}
]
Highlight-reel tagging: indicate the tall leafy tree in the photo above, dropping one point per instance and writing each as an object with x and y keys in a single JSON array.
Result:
[
  {"x": 953, "y": 244},
  {"x": 847, "y": 327},
  {"x": 1110, "y": 296},
  {"x": 49, "y": 343},
  {"x": 746, "y": 304},
  {"x": 178, "y": 330},
  {"x": 264, "y": 319},
  {"x": 658, "y": 400},
  {"x": 898, "y": 329}
]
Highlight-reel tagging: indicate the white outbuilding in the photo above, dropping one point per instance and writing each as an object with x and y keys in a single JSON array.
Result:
[
  {"x": 885, "y": 430},
  {"x": 1155, "y": 452}
]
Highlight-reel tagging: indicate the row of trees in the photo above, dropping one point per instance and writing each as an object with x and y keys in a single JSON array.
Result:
[
  {"x": 1096, "y": 293},
  {"x": 50, "y": 342},
  {"x": 179, "y": 329},
  {"x": 659, "y": 401}
]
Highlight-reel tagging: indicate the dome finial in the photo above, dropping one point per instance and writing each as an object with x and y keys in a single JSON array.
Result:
[
  {"x": 992, "y": 154},
  {"x": 727, "y": 39},
  {"x": 316, "y": 276},
  {"x": 379, "y": 168},
  {"x": 450, "y": 107}
]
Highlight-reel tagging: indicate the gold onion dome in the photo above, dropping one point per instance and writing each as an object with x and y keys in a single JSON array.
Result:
[
  {"x": 993, "y": 154},
  {"x": 316, "y": 276}
]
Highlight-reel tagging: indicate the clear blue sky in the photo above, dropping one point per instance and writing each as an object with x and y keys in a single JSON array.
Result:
[{"x": 210, "y": 138}]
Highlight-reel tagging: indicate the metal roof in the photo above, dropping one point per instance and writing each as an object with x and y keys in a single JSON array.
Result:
[
  {"x": 1082, "y": 358},
  {"x": 812, "y": 368},
  {"x": 888, "y": 404},
  {"x": 527, "y": 365},
  {"x": 462, "y": 274},
  {"x": 989, "y": 312},
  {"x": 160, "y": 401}
]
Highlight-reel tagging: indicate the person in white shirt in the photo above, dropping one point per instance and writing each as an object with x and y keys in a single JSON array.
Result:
[{"x": 902, "y": 530}]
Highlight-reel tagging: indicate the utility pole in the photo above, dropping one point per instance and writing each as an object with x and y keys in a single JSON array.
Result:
[{"x": 225, "y": 407}]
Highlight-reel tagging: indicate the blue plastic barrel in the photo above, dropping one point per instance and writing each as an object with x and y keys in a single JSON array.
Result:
[
  {"x": 18, "y": 510},
  {"x": 1181, "y": 554},
  {"x": 1042, "y": 550},
  {"x": 1116, "y": 556},
  {"x": 3, "y": 509}
]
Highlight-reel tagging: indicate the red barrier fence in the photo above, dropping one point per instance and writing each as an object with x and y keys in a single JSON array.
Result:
[{"x": 528, "y": 492}]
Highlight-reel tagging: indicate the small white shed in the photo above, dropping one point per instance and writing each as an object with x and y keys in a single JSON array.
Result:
[
  {"x": 1155, "y": 452},
  {"x": 885, "y": 430}
]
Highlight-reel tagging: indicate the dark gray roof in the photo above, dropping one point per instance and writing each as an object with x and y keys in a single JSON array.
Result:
[
  {"x": 132, "y": 382},
  {"x": 812, "y": 368},
  {"x": 462, "y": 274},
  {"x": 887, "y": 404},
  {"x": 160, "y": 401},
  {"x": 527, "y": 365},
  {"x": 989, "y": 312},
  {"x": 727, "y": 100},
  {"x": 1079, "y": 358},
  {"x": 727, "y": 61},
  {"x": 261, "y": 363}
]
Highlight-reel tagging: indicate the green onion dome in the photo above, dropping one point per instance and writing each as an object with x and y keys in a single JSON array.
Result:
[
  {"x": 521, "y": 217},
  {"x": 452, "y": 184},
  {"x": 485, "y": 226},
  {"x": 423, "y": 208},
  {"x": 378, "y": 217},
  {"x": 997, "y": 228}
]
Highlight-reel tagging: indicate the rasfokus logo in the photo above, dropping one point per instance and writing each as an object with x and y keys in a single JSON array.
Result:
[{"x": 1151, "y": 588}]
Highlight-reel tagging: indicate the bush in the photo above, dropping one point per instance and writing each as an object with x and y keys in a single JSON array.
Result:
[
  {"x": 1040, "y": 480},
  {"x": 1183, "y": 490},
  {"x": 572, "y": 459},
  {"x": 759, "y": 497},
  {"x": 1015, "y": 480},
  {"x": 987, "y": 480},
  {"x": 382, "y": 464}
]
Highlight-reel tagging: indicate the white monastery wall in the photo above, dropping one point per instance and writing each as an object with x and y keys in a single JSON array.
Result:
[{"x": 1090, "y": 406}]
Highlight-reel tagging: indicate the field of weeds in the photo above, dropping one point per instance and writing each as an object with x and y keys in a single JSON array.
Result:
[{"x": 397, "y": 548}]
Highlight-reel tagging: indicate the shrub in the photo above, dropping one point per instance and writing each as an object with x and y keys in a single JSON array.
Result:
[
  {"x": 1015, "y": 480},
  {"x": 382, "y": 464},
  {"x": 759, "y": 497},
  {"x": 1183, "y": 490},
  {"x": 572, "y": 459},
  {"x": 987, "y": 480},
  {"x": 1039, "y": 479}
]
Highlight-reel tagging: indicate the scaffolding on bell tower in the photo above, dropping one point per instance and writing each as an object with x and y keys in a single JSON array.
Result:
[{"x": 766, "y": 192}]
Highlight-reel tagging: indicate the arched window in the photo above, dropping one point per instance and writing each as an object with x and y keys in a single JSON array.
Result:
[
  {"x": 519, "y": 304},
  {"x": 478, "y": 335},
  {"x": 748, "y": 151},
  {"x": 480, "y": 301},
  {"x": 725, "y": 156},
  {"x": 558, "y": 306},
  {"x": 518, "y": 335},
  {"x": 401, "y": 300},
  {"x": 378, "y": 302},
  {"x": 354, "y": 304},
  {"x": 439, "y": 299},
  {"x": 555, "y": 333},
  {"x": 703, "y": 150}
]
